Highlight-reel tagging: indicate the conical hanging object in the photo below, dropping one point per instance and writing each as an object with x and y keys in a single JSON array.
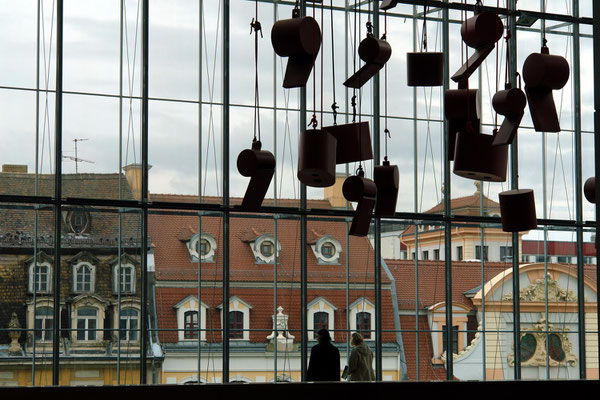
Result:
[
  {"x": 425, "y": 69},
  {"x": 517, "y": 210},
  {"x": 476, "y": 158},
  {"x": 510, "y": 103},
  {"x": 461, "y": 108},
  {"x": 375, "y": 53},
  {"x": 589, "y": 189},
  {"x": 259, "y": 165},
  {"x": 387, "y": 180},
  {"x": 388, "y": 4},
  {"x": 298, "y": 38},
  {"x": 353, "y": 142},
  {"x": 543, "y": 73},
  {"x": 480, "y": 32},
  {"x": 316, "y": 158},
  {"x": 364, "y": 191}
]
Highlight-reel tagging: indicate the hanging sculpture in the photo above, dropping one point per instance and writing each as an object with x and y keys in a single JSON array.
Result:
[
  {"x": 298, "y": 38},
  {"x": 387, "y": 180},
  {"x": 375, "y": 53},
  {"x": 424, "y": 68},
  {"x": 316, "y": 158},
  {"x": 476, "y": 158},
  {"x": 364, "y": 191},
  {"x": 589, "y": 189},
  {"x": 517, "y": 210},
  {"x": 462, "y": 113},
  {"x": 511, "y": 103},
  {"x": 543, "y": 73},
  {"x": 353, "y": 142},
  {"x": 256, "y": 163}
]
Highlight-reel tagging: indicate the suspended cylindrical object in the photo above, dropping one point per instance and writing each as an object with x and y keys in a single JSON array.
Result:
[
  {"x": 364, "y": 191},
  {"x": 517, "y": 210},
  {"x": 387, "y": 179},
  {"x": 259, "y": 165},
  {"x": 543, "y": 73},
  {"x": 589, "y": 189},
  {"x": 462, "y": 111},
  {"x": 353, "y": 142},
  {"x": 316, "y": 158},
  {"x": 425, "y": 69},
  {"x": 375, "y": 53},
  {"x": 510, "y": 103},
  {"x": 476, "y": 158},
  {"x": 300, "y": 40},
  {"x": 482, "y": 30}
]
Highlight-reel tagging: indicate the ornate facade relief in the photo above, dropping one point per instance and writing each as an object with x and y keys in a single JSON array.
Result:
[{"x": 537, "y": 292}]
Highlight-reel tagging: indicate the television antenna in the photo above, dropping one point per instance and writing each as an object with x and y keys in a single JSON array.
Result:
[{"x": 75, "y": 158}]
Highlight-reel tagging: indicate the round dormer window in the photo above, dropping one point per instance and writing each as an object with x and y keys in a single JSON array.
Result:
[
  {"x": 266, "y": 248},
  {"x": 78, "y": 221},
  {"x": 203, "y": 247}
]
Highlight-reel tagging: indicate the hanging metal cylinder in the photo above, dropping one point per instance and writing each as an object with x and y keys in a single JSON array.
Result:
[
  {"x": 517, "y": 210},
  {"x": 387, "y": 179},
  {"x": 259, "y": 165},
  {"x": 300, "y": 40},
  {"x": 425, "y": 69},
  {"x": 511, "y": 104},
  {"x": 364, "y": 191},
  {"x": 316, "y": 158},
  {"x": 476, "y": 158},
  {"x": 375, "y": 53},
  {"x": 461, "y": 107},
  {"x": 589, "y": 189}
]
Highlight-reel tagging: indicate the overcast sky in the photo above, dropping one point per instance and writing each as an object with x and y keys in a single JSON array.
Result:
[{"x": 92, "y": 49}]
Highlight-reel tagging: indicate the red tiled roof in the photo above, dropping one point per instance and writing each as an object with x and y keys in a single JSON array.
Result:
[
  {"x": 554, "y": 248},
  {"x": 426, "y": 370}
]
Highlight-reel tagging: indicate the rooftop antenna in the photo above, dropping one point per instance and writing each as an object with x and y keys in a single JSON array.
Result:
[{"x": 75, "y": 158}]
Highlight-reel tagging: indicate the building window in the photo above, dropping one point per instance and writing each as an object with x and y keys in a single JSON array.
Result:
[
  {"x": 506, "y": 253},
  {"x": 44, "y": 318},
  {"x": 459, "y": 253},
  {"x": 436, "y": 254},
  {"x": 83, "y": 281},
  {"x": 79, "y": 221},
  {"x": 129, "y": 324},
  {"x": 41, "y": 278},
  {"x": 528, "y": 346},
  {"x": 478, "y": 254},
  {"x": 126, "y": 278},
  {"x": 363, "y": 324},
  {"x": 87, "y": 318},
  {"x": 266, "y": 248},
  {"x": 320, "y": 321},
  {"x": 236, "y": 325},
  {"x": 454, "y": 338},
  {"x": 190, "y": 325},
  {"x": 563, "y": 259},
  {"x": 203, "y": 247},
  {"x": 425, "y": 255},
  {"x": 413, "y": 255},
  {"x": 328, "y": 250}
]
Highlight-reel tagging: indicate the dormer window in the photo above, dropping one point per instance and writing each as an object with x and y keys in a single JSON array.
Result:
[
  {"x": 202, "y": 247},
  {"x": 83, "y": 278},
  {"x": 265, "y": 248},
  {"x": 327, "y": 250},
  {"x": 78, "y": 221}
]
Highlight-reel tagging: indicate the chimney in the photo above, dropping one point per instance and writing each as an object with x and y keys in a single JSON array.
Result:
[
  {"x": 334, "y": 193},
  {"x": 133, "y": 174},
  {"x": 14, "y": 168}
]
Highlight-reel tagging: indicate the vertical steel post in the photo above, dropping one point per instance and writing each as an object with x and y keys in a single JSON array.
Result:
[
  {"x": 596, "y": 39},
  {"x": 57, "y": 192}
]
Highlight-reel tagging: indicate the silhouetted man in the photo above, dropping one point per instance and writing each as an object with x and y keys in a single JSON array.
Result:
[{"x": 324, "y": 364}]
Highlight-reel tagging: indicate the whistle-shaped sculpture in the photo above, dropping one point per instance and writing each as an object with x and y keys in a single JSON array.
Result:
[
  {"x": 461, "y": 107},
  {"x": 364, "y": 191},
  {"x": 517, "y": 210},
  {"x": 387, "y": 180},
  {"x": 316, "y": 158},
  {"x": 259, "y": 165},
  {"x": 510, "y": 103},
  {"x": 353, "y": 142},
  {"x": 589, "y": 189},
  {"x": 480, "y": 32},
  {"x": 543, "y": 73},
  {"x": 425, "y": 69},
  {"x": 375, "y": 53},
  {"x": 476, "y": 158},
  {"x": 298, "y": 38}
]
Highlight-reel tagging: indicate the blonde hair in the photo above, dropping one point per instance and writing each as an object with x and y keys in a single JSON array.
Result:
[{"x": 357, "y": 338}]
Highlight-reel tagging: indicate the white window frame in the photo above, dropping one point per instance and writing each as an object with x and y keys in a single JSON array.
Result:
[
  {"x": 259, "y": 257},
  {"x": 192, "y": 247},
  {"x": 76, "y": 268},
  {"x": 117, "y": 280},
  {"x": 321, "y": 258},
  {"x": 128, "y": 327},
  {"x": 320, "y": 304},
  {"x": 237, "y": 304},
  {"x": 91, "y": 301},
  {"x": 32, "y": 277},
  {"x": 191, "y": 303},
  {"x": 363, "y": 305}
]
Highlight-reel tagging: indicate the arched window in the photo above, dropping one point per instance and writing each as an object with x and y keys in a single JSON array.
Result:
[
  {"x": 190, "y": 325},
  {"x": 363, "y": 324},
  {"x": 129, "y": 324},
  {"x": 236, "y": 325},
  {"x": 126, "y": 278},
  {"x": 41, "y": 278},
  {"x": 83, "y": 279},
  {"x": 320, "y": 321},
  {"x": 44, "y": 317},
  {"x": 87, "y": 323}
]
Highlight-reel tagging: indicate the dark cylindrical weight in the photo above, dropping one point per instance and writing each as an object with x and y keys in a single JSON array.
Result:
[
  {"x": 387, "y": 179},
  {"x": 461, "y": 103},
  {"x": 250, "y": 159},
  {"x": 509, "y": 101},
  {"x": 296, "y": 36},
  {"x": 545, "y": 70},
  {"x": 475, "y": 158},
  {"x": 517, "y": 210},
  {"x": 589, "y": 189},
  {"x": 356, "y": 187},
  {"x": 425, "y": 69},
  {"x": 482, "y": 29},
  {"x": 375, "y": 51},
  {"x": 316, "y": 158}
]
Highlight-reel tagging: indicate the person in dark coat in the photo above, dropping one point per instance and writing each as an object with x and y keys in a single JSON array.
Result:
[{"x": 324, "y": 364}]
